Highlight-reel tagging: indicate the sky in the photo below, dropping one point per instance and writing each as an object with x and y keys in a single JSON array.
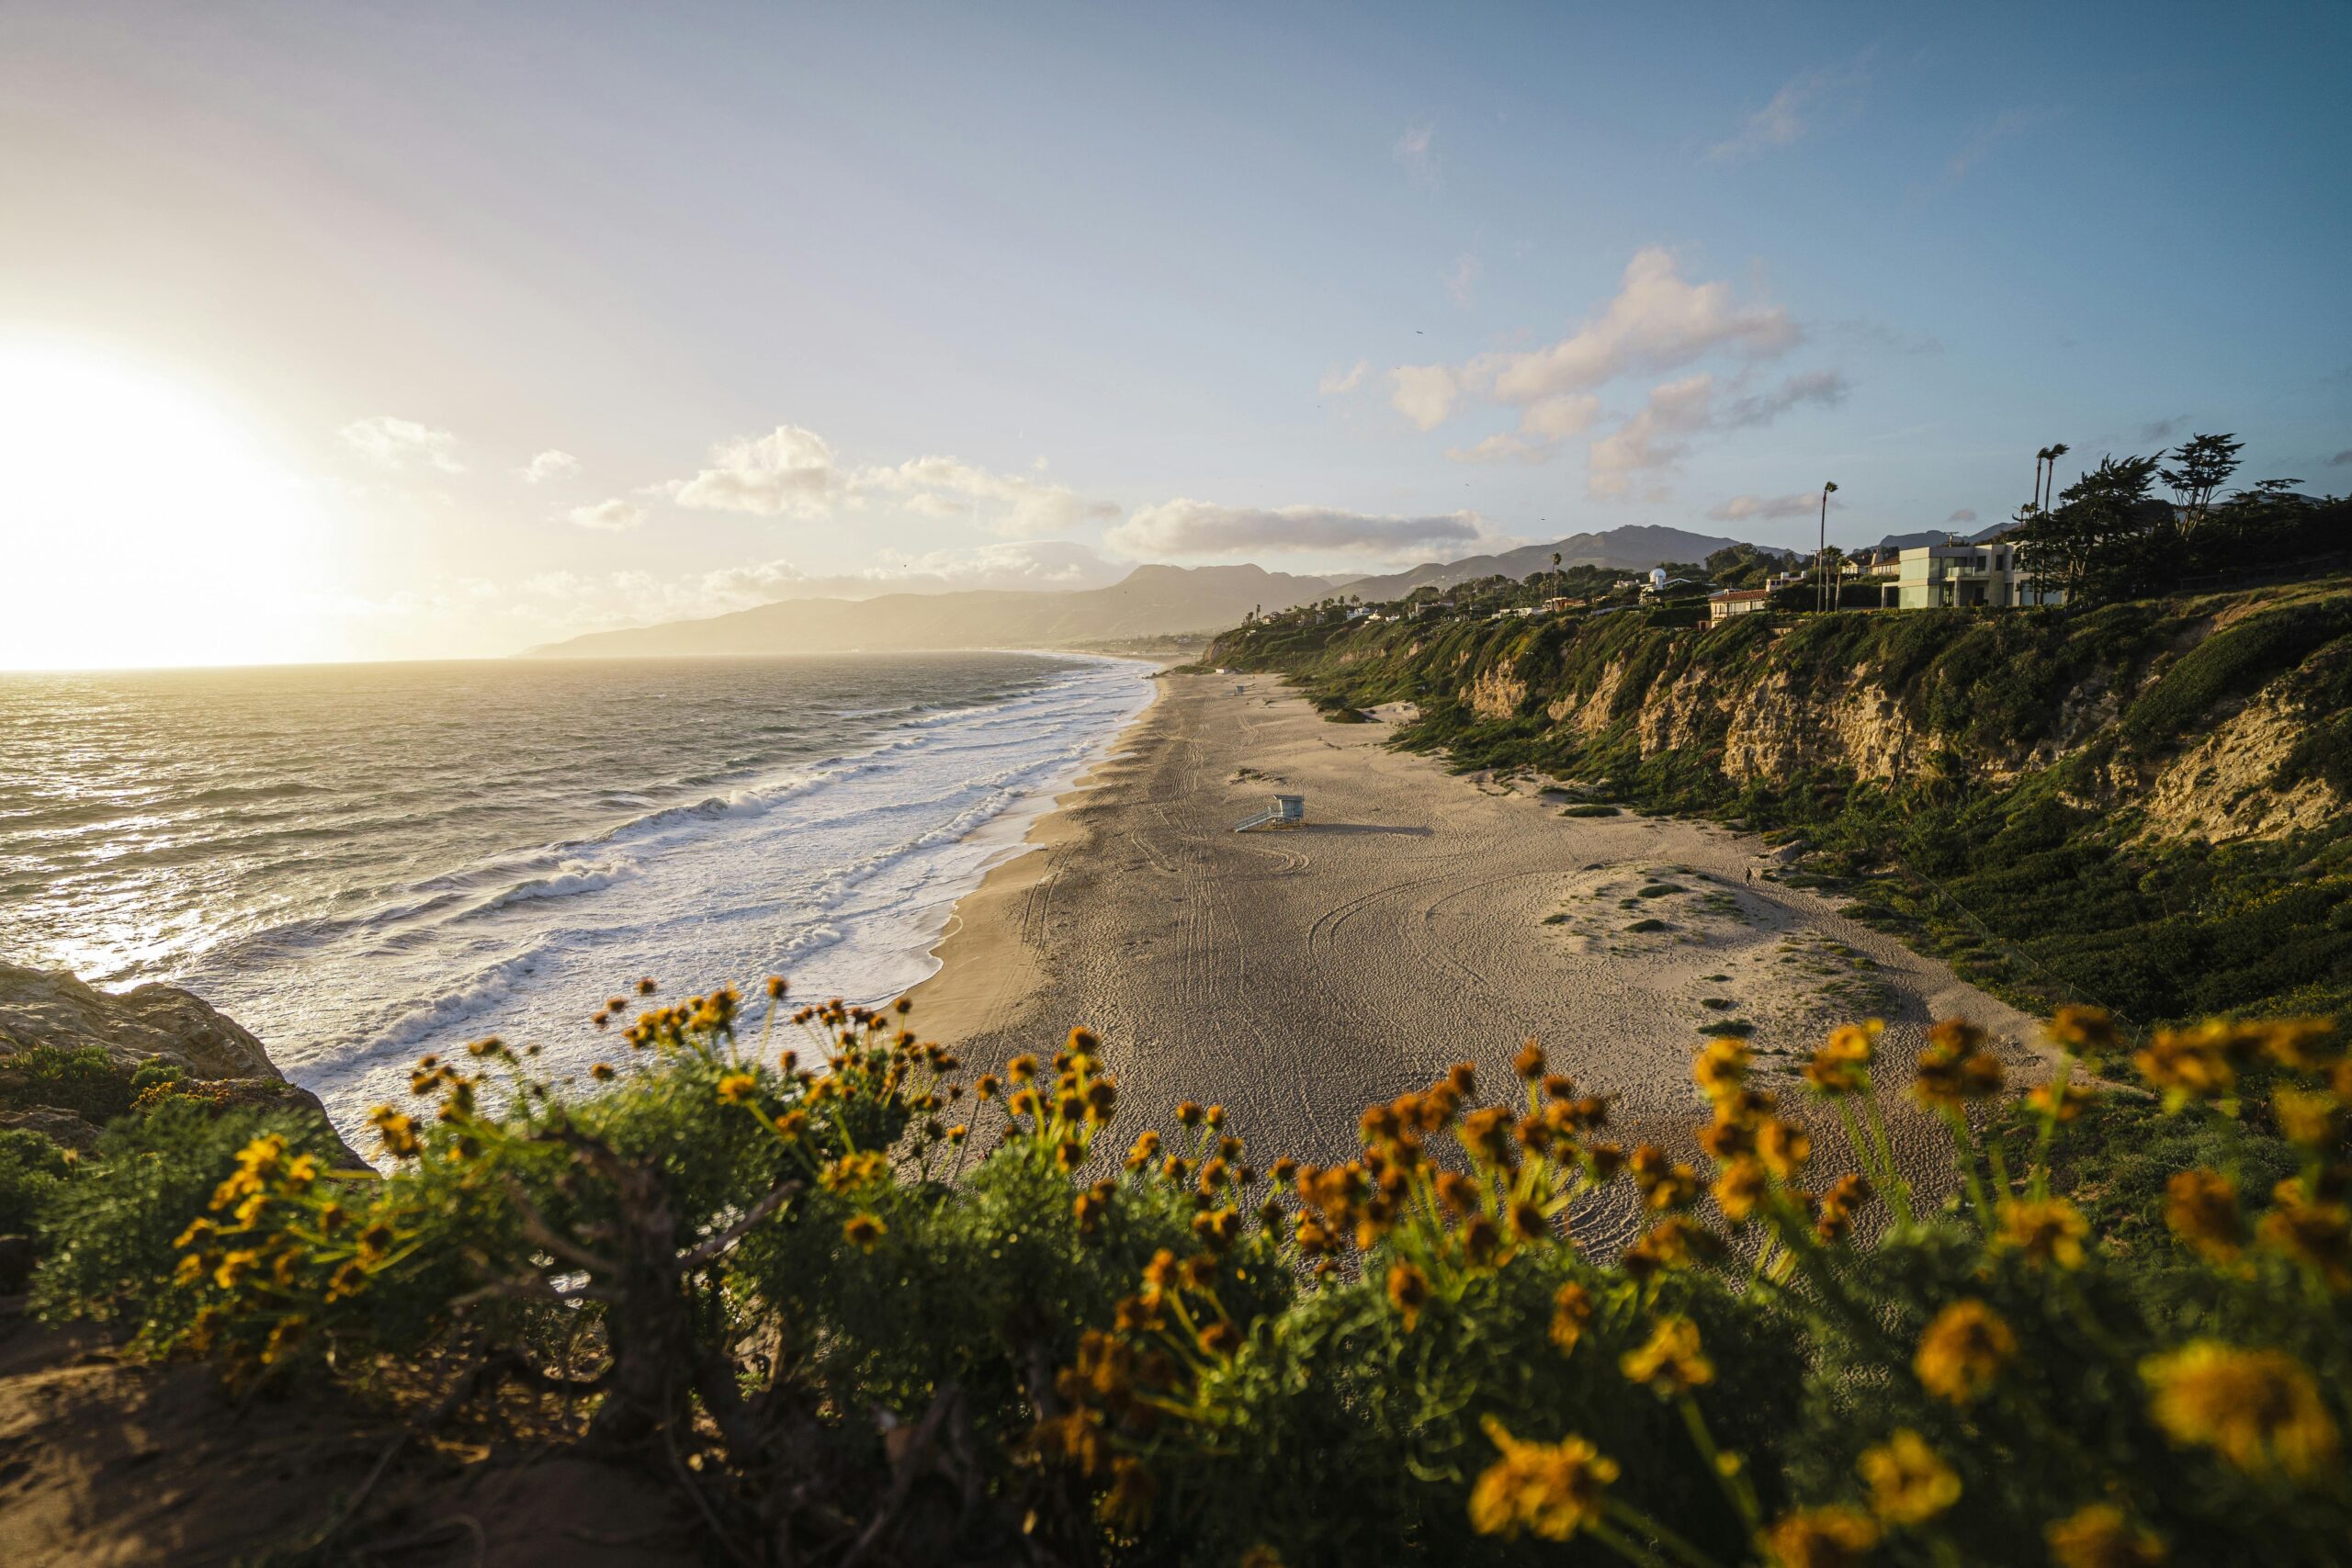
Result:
[{"x": 335, "y": 331}]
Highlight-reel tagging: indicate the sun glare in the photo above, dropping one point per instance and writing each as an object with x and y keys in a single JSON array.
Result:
[{"x": 140, "y": 525}]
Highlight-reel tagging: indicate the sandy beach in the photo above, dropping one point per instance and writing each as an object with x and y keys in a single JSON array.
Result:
[{"x": 1417, "y": 918}]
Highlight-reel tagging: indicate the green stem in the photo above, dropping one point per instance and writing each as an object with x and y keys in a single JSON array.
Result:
[
  {"x": 1634, "y": 1518},
  {"x": 1734, "y": 1482},
  {"x": 1964, "y": 1157},
  {"x": 1898, "y": 1191}
]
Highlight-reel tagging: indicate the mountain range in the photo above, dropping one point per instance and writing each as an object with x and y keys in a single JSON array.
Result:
[{"x": 1151, "y": 601}]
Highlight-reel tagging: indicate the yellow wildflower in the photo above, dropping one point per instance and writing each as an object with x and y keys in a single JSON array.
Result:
[
  {"x": 1909, "y": 1483},
  {"x": 233, "y": 1268},
  {"x": 1721, "y": 1068},
  {"x": 2313, "y": 1118},
  {"x": 2201, "y": 1208},
  {"x": 2317, "y": 1235},
  {"x": 1842, "y": 1064},
  {"x": 1740, "y": 1188},
  {"x": 1955, "y": 1068},
  {"x": 2304, "y": 1044},
  {"x": 1962, "y": 1351},
  {"x": 2258, "y": 1409},
  {"x": 283, "y": 1336},
  {"x": 2085, "y": 1032},
  {"x": 2047, "y": 1232},
  {"x": 2188, "y": 1064},
  {"x": 1551, "y": 1489},
  {"x": 2062, "y": 1102},
  {"x": 1672, "y": 1360},
  {"x": 1409, "y": 1290},
  {"x": 1783, "y": 1146},
  {"x": 736, "y": 1087},
  {"x": 1571, "y": 1311},
  {"x": 864, "y": 1231},
  {"x": 1127, "y": 1506},
  {"x": 2098, "y": 1535},
  {"x": 1835, "y": 1537}
]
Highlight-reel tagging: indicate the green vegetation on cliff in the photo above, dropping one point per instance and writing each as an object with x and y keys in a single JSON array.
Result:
[{"x": 2141, "y": 806}]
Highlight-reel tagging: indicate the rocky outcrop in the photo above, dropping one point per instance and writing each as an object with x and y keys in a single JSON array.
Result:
[
  {"x": 1497, "y": 694},
  {"x": 152, "y": 1023},
  {"x": 149, "y": 1024},
  {"x": 2222, "y": 788}
]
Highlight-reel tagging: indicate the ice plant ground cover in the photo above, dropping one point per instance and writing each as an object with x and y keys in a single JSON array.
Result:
[{"x": 862, "y": 1310}]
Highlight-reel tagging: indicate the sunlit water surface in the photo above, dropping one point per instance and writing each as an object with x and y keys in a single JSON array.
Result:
[{"x": 361, "y": 863}]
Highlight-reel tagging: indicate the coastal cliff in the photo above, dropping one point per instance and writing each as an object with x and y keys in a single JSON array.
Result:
[
  {"x": 71, "y": 1055},
  {"x": 2184, "y": 765}
]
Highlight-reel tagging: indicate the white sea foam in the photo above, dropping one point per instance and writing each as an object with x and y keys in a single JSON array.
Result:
[{"x": 841, "y": 874}]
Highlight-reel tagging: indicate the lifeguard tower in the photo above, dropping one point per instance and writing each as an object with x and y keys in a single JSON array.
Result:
[{"x": 1288, "y": 811}]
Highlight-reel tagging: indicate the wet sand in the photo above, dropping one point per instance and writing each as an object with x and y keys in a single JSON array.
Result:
[{"x": 1417, "y": 918}]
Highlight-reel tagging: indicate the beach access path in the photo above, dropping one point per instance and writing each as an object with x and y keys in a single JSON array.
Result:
[{"x": 1417, "y": 918}]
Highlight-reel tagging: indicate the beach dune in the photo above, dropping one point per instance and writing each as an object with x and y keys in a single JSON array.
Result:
[{"x": 1417, "y": 918}]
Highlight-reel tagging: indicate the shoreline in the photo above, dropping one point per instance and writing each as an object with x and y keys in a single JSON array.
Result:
[{"x": 1415, "y": 918}]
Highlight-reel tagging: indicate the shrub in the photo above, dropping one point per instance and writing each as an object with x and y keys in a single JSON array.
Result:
[
  {"x": 805, "y": 1284},
  {"x": 79, "y": 1078},
  {"x": 30, "y": 1169},
  {"x": 108, "y": 1232}
]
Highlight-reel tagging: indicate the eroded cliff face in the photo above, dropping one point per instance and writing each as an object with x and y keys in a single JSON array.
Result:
[
  {"x": 2222, "y": 788},
  {"x": 1765, "y": 722}
]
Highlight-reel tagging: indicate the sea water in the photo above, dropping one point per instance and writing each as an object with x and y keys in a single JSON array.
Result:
[{"x": 363, "y": 862}]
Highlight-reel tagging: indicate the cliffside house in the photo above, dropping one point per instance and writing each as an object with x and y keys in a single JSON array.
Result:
[
  {"x": 1736, "y": 601},
  {"x": 1959, "y": 575}
]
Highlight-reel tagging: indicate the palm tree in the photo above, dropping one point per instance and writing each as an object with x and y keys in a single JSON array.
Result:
[
  {"x": 2039, "y": 458},
  {"x": 2050, "y": 488},
  {"x": 1821, "y": 553}
]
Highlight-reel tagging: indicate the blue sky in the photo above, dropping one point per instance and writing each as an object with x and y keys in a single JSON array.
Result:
[{"x": 1023, "y": 293}]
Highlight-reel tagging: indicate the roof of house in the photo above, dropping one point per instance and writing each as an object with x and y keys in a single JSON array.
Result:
[{"x": 1733, "y": 595}]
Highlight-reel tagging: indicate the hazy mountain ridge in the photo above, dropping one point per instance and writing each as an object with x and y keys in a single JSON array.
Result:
[{"x": 1151, "y": 601}]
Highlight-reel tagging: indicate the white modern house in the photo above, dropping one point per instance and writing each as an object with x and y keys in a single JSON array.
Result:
[{"x": 1959, "y": 576}]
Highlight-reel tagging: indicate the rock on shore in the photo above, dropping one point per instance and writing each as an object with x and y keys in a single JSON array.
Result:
[{"x": 149, "y": 1023}]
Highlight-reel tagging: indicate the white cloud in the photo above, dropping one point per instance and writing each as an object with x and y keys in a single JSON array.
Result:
[
  {"x": 1966, "y": 514},
  {"x": 1337, "y": 381},
  {"x": 1658, "y": 434},
  {"x": 788, "y": 470},
  {"x": 792, "y": 471},
  {"x": 1797, "y": 503},
  {"x": 1005, "y": 503},
  {"x": 1657, "y": 321},
  {"x": 614, "y": 516},
  {"x": 1417, "y": 156},
  {"x": 1423, "y": 393},
  {"x": 1462, "y": 280},
  {"x": 549, "y": 465},
  {"x": 1184, "y": 527},
  {"x": 396, "y": 443},
  {"x": 1542, "y": 425},
  {"x": 1785, "y": 121}
]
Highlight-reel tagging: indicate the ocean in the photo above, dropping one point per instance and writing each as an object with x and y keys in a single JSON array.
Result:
[{"x": 363, "y": 862}]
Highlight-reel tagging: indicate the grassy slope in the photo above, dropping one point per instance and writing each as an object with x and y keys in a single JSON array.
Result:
[{"x": 2014, "y": 850}]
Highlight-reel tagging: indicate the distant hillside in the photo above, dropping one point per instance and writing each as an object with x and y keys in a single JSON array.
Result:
[
  {"x": 1939, "y": 535},
  {"x": 1151, "y": 601},
  {"x": 1632, "y": 548}
]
